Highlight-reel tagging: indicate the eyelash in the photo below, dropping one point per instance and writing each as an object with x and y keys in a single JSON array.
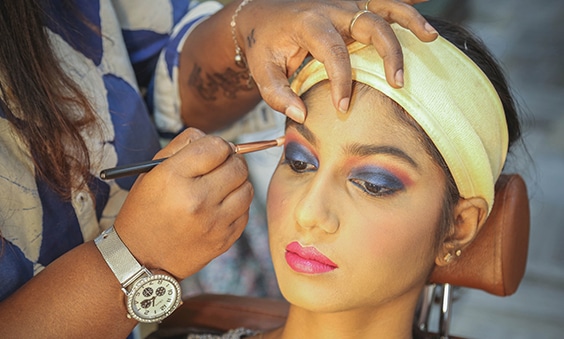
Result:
[
  {"x": 293, "y": 164},
  {"x": 370, "y": 188},
  {"x": 373, "y": 189}
]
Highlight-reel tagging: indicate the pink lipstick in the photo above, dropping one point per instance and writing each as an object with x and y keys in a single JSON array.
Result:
[{"x": 307, "y": 259}]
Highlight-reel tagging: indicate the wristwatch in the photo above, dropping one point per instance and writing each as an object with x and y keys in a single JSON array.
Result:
[{"x": 149, "y": 297}]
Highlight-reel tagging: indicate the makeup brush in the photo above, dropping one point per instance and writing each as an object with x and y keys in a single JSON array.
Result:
[{"x": 142, "y": 167}]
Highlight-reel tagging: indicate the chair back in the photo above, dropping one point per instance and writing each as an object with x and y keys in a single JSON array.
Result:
[{"x": 495, "y": 261}]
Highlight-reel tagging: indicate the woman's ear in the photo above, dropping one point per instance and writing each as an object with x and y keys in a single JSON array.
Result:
[{"x": 469, "y": 216}]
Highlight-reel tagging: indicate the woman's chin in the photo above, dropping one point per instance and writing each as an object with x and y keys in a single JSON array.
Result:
[{"x": 312, "y": 300}]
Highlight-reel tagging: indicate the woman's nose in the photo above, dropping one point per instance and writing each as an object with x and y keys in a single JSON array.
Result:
[{"x": 315, "y": 208}]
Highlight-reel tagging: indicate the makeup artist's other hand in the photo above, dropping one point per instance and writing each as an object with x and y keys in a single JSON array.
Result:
[
  {"x": 321, "y": 28},
  {"x": 190, "y": 208}
]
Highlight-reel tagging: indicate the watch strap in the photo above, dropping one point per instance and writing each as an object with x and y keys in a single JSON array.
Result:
[{"x": 117, "y": 256}]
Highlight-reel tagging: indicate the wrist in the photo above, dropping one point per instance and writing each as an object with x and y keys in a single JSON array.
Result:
[
  {"x": 240, "y": 59},
  {"x": 150, "y": 296}
]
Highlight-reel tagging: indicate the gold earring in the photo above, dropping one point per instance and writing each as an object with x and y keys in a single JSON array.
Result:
[{"x": 448, "y": 257}]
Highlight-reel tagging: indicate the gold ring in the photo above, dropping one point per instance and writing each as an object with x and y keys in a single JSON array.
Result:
[
  {"x": 366, "y": 5},
  {"x": 355, "y": 18}
]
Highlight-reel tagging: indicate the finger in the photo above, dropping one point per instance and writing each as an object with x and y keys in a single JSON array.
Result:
[
  {"x": 179, "y": 142},
  {"x": 414, "y": 2},
  {"x": 406, "y": 16},
  {"x": 238, "y": 226},
  {"x": 327, "y": 46},
  {"x": 373, "y": 29},
  {"x": 273, "y": 85},
  {"x": 226, "y": 178},
  {"x": 236, "y": 206},
  {"x": 409, "y": 2},
  {"x": 199, "y": 157},
  {"x": 232, "y": 216},
  {"x": 231, "y": 234}
]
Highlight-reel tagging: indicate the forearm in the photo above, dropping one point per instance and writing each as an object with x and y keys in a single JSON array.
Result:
[
  {"x": 76, "y": 296},
  {"x": 213, "y": 89}
]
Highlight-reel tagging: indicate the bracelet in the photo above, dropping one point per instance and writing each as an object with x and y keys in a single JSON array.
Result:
[{"x": 239, "y": 57}]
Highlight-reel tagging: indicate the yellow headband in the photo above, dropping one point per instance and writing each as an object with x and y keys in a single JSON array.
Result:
[{"x": 451, "y": 99}]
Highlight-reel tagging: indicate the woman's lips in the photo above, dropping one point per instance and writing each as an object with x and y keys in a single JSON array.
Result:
[{"x": 307, "y": 259}]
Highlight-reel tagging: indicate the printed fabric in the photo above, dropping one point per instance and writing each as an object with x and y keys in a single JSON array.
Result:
[{"x": 132, "y": 54}]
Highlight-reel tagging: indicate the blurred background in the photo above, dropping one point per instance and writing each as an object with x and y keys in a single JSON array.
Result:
[{"x": 527, "y": 37}]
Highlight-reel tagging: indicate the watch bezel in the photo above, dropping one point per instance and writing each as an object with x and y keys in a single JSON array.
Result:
[{"x": 141, "y": 282}]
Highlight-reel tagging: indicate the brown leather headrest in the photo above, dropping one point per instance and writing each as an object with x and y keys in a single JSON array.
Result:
[{"x": 495, "y": 261}]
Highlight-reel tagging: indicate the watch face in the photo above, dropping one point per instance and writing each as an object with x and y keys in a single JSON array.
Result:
[{"x": 153, "y": 298}]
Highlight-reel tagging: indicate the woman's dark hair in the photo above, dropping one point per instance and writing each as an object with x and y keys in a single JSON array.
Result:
[{"x": 46, "y": 107}]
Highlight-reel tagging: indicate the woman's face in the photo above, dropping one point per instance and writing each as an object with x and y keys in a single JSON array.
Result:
[{"x": 353, "y": 207}]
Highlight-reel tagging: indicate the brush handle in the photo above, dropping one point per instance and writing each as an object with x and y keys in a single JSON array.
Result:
[
  {"x": 127, "y": 170},
  {"x": 146, "y": 166}
]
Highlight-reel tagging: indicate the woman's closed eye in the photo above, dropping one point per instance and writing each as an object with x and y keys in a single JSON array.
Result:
[
  {"x": 299, "y": 158},
  {"x": 376, "y": 181}
]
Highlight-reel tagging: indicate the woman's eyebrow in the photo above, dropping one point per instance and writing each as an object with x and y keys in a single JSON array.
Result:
[
  {"x": 304, "y": 131},
  {"x": 356, "y": 149},
  {"x": 367, "y": 150}
]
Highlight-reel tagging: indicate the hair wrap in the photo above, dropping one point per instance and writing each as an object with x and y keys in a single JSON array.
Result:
[{"x": 449, "y": 97}]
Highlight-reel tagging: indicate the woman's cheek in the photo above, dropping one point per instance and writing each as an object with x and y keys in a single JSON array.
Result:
[
  {"x": 275, "y": 201},
  {"x": 372, "y": 239},
  {"x": 378, "y": 235}
]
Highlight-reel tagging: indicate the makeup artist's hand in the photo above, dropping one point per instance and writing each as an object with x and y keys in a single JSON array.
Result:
[
  {"x": 276, "y": 36},
  {"x": 321, "y": 28},
  {"x": 188, "y": 209}
]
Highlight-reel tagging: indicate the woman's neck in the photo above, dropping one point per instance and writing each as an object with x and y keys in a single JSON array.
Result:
[{"x": 392, "y": 320}]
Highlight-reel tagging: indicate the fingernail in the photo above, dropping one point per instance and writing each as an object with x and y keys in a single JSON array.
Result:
[
  {"x": 344, "y": 105},
  {"x": 399, "y": 78},
  {"x": 430, "y": 29},
  {"x": 233, "y": 147},
  {"x": 295, "y": 114}
]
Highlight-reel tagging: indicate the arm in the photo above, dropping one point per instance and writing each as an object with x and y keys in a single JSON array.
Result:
[
  {"x": 177, "y": 218},
  {"x": 75, "y": 296},
  {"x": 275, "y": 36}
]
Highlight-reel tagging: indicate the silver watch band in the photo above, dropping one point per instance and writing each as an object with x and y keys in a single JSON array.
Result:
[{"x": 117, "y": 256}]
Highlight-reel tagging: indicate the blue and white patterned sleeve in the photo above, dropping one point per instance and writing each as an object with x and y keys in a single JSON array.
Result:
[
  {"x": 165, "y": 94},
  {"x": 154, "y": 32}
]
